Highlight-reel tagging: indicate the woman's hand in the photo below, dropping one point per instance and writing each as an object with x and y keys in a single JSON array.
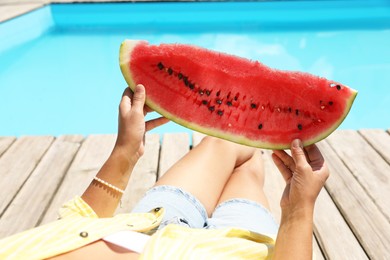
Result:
[
  {"x": 132, "y": 126},
  {"x": 305, "y": 173}
]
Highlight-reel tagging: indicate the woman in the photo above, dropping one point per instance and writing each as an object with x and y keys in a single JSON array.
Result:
[{"x": 209, "y": 205}]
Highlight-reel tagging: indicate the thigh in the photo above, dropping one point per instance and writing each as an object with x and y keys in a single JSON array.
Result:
[
  {"x": 245, "y": 186},
  {"x": 243, "y": 203},
  {"x": 247, "y": 182},
  {"x": 204, "y": 171}
]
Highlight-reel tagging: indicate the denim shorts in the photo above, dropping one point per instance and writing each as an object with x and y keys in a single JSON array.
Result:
[{"x": 182, "y": 208}]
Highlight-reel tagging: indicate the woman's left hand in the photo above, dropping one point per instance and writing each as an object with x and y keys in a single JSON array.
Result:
[{"x": 132, "y": 126}]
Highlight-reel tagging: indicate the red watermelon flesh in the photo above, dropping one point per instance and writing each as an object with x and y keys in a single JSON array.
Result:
[{"x": 234, "y": 98}]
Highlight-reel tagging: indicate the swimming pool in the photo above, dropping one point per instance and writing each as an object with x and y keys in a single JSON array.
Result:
[{"x": 59, "y": 71}]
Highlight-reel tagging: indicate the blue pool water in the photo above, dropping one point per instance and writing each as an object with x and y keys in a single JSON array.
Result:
[{"x": 59, "y": 71}]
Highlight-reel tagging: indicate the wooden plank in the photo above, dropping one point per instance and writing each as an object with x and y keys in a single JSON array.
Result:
[
  {"x": 30, "y": 203},
  {"x": 333, "y": 233},
  {"x": 197, "y": 138},
  {"x": 365, "y": 219},
  {"x": 17, "y": 163},
  {"x": 5, "y": 143},
  {"x": 367, "y": 166},
  {"x": 174, "y": 146},
  {"x": 274, "y": 184},
  {"x": 379, "y": 140},
  {"x": 92, "y": 154},
  {"x": 144, "y": 174}
]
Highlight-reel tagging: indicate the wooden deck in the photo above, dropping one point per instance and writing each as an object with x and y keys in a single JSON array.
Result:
[{"x": 39, "y": 173}]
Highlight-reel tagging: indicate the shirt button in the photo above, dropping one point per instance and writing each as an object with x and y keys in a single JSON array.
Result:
[{"x": 84, "y": 234}]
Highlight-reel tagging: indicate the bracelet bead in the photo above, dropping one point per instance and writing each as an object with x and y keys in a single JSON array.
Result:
[{"x": 108, "y": 185}]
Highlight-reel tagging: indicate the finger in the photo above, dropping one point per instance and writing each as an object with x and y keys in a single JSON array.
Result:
[
  {"x": 286, "y": 172},
  {"x": 147, "y": 109},
  {"x": 298, "y": 154},
  {"x": 286, "y": 159},
  {"x": 125, "y": 103},
  {"x": 151, "y": 124},
  {"x": 314, "y": 154},
  {"x": 139, "y": 98}
]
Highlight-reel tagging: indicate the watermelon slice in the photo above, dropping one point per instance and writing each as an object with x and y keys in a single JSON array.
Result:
[{"x": 234, "y": 98}]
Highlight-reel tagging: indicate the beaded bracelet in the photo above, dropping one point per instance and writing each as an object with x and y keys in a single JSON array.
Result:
[{"x": 108, "y": 185}]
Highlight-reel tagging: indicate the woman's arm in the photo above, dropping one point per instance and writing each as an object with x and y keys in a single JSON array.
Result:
[
  {"x": 129, "y": 147},
  {"x": 305, "y": 173}
]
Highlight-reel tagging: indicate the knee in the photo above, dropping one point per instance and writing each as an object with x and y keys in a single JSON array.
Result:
[
  {"x": 214, "y": 141},
  {"x": 218, "y": 145},
  {"x": 236, "y": 152}
]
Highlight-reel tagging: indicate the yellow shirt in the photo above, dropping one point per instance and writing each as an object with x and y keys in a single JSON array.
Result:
[
  {"x": 79, "y": 225},
  {"x": 178, "y": 242}
]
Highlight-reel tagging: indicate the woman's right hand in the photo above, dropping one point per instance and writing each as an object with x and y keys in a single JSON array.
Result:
[{"x": 305, "y": 173}]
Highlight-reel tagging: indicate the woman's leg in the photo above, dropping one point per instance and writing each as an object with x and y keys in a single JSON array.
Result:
[
  {"x": 205, "y": 170},
  {"x": 247, "y": 182},
  {"x": 243, "y": 203}
]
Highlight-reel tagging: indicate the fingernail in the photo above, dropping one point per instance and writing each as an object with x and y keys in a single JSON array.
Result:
[
  {"x": 139, "y": 88},
  {"x": 297, "y": 143}
]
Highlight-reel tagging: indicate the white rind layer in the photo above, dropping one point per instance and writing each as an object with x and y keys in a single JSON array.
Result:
[{"x": 125, "y": 52}]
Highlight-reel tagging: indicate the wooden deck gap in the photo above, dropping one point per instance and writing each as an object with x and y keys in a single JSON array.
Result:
[
  {"x": 43, "y": 155},
  {"x": 347, "y": 222},
  {"x": 360, "y": 184},
  {"x": 8, "y": 146},
  {"x": 31, "y": 172},
  {"x": 375, "y": 147},
  {"x": 322, "y": 251},
  {"x": 39, "y": 222},
  {"x": 158, "y": 160}
]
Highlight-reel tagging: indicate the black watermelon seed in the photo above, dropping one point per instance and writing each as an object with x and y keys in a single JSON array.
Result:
[
  {"x": 160, "y": 65},
  {"x": 297, "y": 112},
  {"x": 236, "y": 98},
  {"x": 185, "y": 80},
  {"x": 219, "y": 101},
  {"x": 191, "y": 85},
  {"x": 299, "y": 126},
  {"x": 205, "y": 102},
  {"x": 217, "y": 94},
  {"x": 253, "y": 105},
  {"x": 220, "y": 112},
  {"x": 338, "y": 87},
  {"x": 170, "y": 71},
  {"x": 229, "y": 103},
  {"x": 201, "y": 92},
  {"x": 330, "y": 103},
  {"x": 180, "y": 76},
  {"x": 212, "y": 108},
  {"x": 260, "y": 126},
  {"x": 208, "y": 92},
  {"x": 289, "y": 109}
]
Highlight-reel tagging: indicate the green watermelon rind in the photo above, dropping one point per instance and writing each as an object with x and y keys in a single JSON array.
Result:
[{"x": 125, "y": 52}]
